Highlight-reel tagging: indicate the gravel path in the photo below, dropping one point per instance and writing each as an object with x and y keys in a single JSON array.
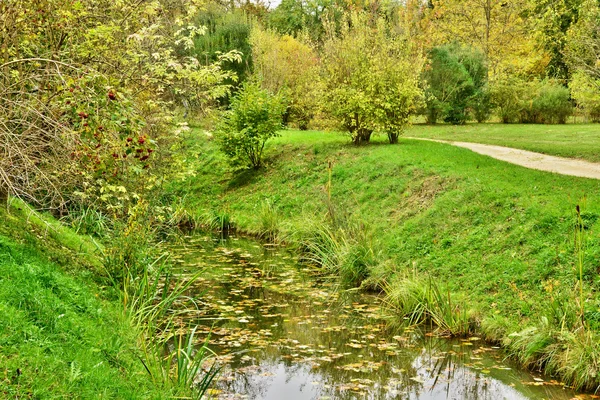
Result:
[{"x": 530, "y": 159}]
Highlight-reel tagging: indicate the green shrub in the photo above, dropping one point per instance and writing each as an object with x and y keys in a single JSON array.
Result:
[
  {"x": 371, "y": 78},
  {"x": 552, "y": 104},
  {"x": 481, "y": 105},
  {"x": 456, "y": 78},
  {"x": 506, "y": 96},
  {"x": 534, "y": 102},
  {"x": 255, "y": 117},
  {"x": 584, "y": 90}
]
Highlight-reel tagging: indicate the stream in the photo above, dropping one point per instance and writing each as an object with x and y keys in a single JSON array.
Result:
[{"x": 280, "y": 331}]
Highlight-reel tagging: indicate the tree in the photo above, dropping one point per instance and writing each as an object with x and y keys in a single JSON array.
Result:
[
  {"x": 371, "y": 74},
  {"x": 226, "y": 30},
  {"x": 586, "y": 93},
  {"x": 551, "y": 19},
  {"x": 289, "y": 67},
  {"x": 86, "y": 90},
  {"x": 582, "y": 51},
  {"x": 455, "y": 79},
  {"x": 495, "y": 27},
  {"x": 254, "y": 118}
]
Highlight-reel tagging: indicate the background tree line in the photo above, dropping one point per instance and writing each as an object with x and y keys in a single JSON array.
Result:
[{"x": 91, "y": 91}]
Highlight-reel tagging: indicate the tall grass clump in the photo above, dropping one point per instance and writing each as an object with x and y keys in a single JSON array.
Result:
[
  {"x": 86, "y": 220},
  {"x": 152, "y": 299},
  {"x": 346, "y": 249},
  {"x": 562, "y": 343},
  {"x": 219, "y": 220},
  {"x": 268, "y": 220},
  {"x": 416, "y": 301},
  {"x": 556, "y": 350}
]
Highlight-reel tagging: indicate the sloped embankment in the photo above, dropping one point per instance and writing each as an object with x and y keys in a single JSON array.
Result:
[
  {"x": 59, "y": 335},
  {"x": 499, "y": 238}
]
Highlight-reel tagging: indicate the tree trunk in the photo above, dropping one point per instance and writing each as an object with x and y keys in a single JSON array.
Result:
[{"x": 3, "y": 197}]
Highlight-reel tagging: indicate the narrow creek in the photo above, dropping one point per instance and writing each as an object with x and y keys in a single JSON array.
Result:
[{"x": 281, "y": 332}]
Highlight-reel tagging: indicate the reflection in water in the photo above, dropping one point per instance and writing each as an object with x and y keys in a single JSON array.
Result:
[{"x": 283, "y": 333}]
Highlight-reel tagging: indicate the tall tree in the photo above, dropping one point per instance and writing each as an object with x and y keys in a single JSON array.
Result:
[
  {"x": 550, "y": 20},
  {"x": 290, "y": 67},
  {"x": 496, "y": 27},
  {"x": 371, "y": 72}
]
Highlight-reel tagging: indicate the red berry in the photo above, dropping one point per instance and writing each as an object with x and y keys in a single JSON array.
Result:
[
  {"x": 112, "y": 95},
  {"x": 129, "y": 139}
]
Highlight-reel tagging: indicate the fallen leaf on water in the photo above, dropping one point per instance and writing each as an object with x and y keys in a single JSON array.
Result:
[{"x": 355, "y": 345}]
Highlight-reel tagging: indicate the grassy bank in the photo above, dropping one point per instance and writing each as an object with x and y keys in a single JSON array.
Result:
[
  {"x": 571, "y": 140},
  {"x": 497, "y": 239},
  {"x": 63, "y": 332}
]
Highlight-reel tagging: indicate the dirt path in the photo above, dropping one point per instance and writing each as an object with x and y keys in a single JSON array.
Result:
[{"x": 529, "y": 159}]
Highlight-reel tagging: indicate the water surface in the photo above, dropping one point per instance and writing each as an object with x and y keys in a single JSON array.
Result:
[{"x": 282, "y": 332}]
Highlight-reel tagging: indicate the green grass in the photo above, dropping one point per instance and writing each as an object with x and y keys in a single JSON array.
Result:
[
  {"x": 65, "y": 334},
  {"x": 571, "y": 140},
  {"x": 58, "y": 337},
  {"x": 499, "y": 237}
]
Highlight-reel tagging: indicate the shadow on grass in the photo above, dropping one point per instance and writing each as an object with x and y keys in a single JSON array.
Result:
[{"x": 244, "y": 177}]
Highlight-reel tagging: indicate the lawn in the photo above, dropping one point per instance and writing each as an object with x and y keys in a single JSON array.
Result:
[{"x": 571, "y": 140}]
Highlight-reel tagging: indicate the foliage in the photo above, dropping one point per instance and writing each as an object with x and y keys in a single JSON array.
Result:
[
  {"x": 226, "y": 30},
  {"x": 552, "y": 105},
  {"x": 78, "y": 120},
  {"x": 455, "y": 78},
  {"x": 551, "y": 20},
  {"x": 299, "y": 17},
  {"x": 506, "y": 97},
  {"x": 583, "y": 41},
  {"x": 371, "y": 77},
  {"x": 539, "y": 102},
  {"x": 584, "y": 90},
  {"x": 495, "y": 28},
  {"x": 289, "y": 67},
  {"x": 254, "y": 118},
  {"x": 481, "y": 105}
]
